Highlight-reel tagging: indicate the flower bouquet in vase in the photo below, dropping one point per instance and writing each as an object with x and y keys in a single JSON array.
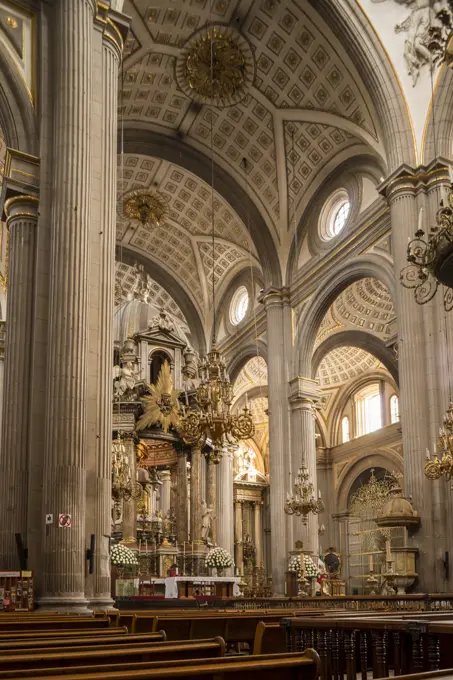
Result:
[{"x": 219, "y": 559}]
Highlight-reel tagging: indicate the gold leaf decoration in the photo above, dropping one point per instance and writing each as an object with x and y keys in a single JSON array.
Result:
[{"x": 161, "y": 406}]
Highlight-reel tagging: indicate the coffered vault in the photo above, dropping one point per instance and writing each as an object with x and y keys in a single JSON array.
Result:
[{"x": 302, "y": 91}]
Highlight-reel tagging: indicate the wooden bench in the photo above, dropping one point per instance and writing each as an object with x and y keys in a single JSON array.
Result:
[
  {"x": 47, "y": 634},
  {"x": 295, "y": 666},
  {"x": 15, "y": 665},
  {"x": 63, "y": 645},
  {"x": 270, "y": 638},
  {"x": 52, "y": 623}
]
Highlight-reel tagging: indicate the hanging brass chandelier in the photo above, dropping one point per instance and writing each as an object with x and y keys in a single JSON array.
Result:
[
  {"x": 124, "y": 488},
  {"x": 430, "y": 258},
  {"x": 441, "y": 464},
  {"x": 144, "y": 206},
  {"x": 212, "y": 421},
  {"x": 303, "y": 502}
]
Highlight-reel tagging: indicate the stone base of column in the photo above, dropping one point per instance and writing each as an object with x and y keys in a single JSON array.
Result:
[
  {"x": 64, "y": 605},
  {"x": 101, "y": 604}
]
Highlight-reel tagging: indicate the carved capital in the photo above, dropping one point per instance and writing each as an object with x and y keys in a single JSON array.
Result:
[
  {"x": 18, "y": 207},
  {"x": 303, "y": 391},
  {"x": 114, "y": 27}
]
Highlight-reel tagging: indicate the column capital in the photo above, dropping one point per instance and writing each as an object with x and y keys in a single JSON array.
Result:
[
  {"x": 21, "y": 176},
  {"x": 275, "y": 297},
  {"x": 114, "y": 26},
  {"x": 23, "y": 205},
  {"x": 304, "y": 391},
  {"x": 409, "y": 180}
]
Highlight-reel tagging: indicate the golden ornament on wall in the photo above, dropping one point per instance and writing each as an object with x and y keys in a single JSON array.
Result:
[{"x": 161, "y": 406}]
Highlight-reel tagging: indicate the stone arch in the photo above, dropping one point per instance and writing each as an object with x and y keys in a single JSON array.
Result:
[
  {"x": 249, "y": 351},
  {"x": 382, "y": 458},
  {"x": 438, "y": 138},
  {"x": 143, "y": 141},
  {"x": 353, "y": 29},
  {"x": 307, "y": 326},
  {"x": 17, "y": 116},
  {"x": 362, "y": 340},
  {"x": 161, "y": 276}
]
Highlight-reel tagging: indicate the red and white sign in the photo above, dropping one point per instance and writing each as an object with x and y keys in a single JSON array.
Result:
[{"x": 64, "y": 520}]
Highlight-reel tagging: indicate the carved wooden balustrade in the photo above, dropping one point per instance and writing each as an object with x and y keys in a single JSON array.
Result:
[{"x": 387, "y": 603}]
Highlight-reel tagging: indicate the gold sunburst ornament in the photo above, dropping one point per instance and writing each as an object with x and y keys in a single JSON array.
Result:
[{"x": 161, "y": 406}]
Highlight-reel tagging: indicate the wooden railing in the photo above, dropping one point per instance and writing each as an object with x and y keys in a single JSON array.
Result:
[{"x": 391, "y": 603}]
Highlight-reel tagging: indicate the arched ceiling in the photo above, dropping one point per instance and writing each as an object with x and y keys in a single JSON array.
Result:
[
  {"x": 302, "y": 82},
  {"x": 366, "y": 305},
  {"x": 252, "y": 375},
  {"x": 343, "y": 364},
  {"x": 125, "y": 282}
]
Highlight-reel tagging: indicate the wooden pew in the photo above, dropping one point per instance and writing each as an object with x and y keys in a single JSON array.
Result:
[
  {"x": 270, "y": 638},
  {"x": 16, "y": 665},
  {"x": 52, "y": 623},
  {"x": 296, "y": 666},
  {"x": 47, "y": 634},
  {"x": 63, "y": 645}
]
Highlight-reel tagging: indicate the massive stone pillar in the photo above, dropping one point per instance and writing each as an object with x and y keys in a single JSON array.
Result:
[
  {"x": 278, "y": 435},
  {"x": 239, "y": 552},
  {"x": 224, "y": 511},
  {"x": 107, "y": 50},
  {"x": 181, "y": 499},
  {"x": 22, "y": 215},
  {"x": 195, "y": 495},
  {"x": 304, "y": 394},
  {"x": 66, "y": 408},
  {"x": 211, "y": 494},
  {"x": 258, "y": 532},
  {"x": 401, "y": 189}
]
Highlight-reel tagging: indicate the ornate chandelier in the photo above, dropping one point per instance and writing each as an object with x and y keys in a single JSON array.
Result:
[
  {"x": 441, "y": 465},
  {"x": 212, "y": 419},
  {"x": 430, "y": 258},
  {"x": 145, "y": 207},
  {"x": 304, "y": 501},
  {"x": 123, "y": 487}
]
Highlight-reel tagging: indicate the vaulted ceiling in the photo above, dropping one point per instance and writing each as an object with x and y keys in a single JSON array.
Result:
[{"x": 302, "y": 109}]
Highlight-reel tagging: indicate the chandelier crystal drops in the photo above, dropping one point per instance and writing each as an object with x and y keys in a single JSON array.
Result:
[
  {"x": 303, "y": 502},
  {"x": 123, "y": 487},
  {"x": 212, "y": 421},
  {"x": 441, "y": 464},
  {"x": 430, "y": 257}
]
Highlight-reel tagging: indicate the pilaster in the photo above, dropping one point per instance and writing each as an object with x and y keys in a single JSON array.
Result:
[
  {"x": 224, "y": 508},
  {"x": 239, "y": 549},
  {"x": 181, "y": 498},
  {"x": 195, "y": 495},
  {"x": 211, "y": 493}
]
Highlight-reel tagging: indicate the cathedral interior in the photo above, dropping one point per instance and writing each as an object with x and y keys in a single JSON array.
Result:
[{"x": 226, "y": 298}]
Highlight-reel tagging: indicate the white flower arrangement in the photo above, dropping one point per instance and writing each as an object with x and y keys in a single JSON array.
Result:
[
  {"x": 295, "y": 564},
  {"x": 219, "y": 559},
  {"x": 121, "y": 556}
]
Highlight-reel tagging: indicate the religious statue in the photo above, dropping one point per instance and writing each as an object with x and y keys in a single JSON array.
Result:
[
  {"x": 207, "y": 515},
  {"x": 125, "y": 378},
  {"x": 322, "y": 580}
]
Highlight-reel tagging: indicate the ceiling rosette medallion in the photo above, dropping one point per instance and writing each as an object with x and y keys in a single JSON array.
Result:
[{"x": 216, "y": 66}]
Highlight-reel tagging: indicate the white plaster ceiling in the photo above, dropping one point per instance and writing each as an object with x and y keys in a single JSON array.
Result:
[
  {"x": 125, "y": 282},
  {"x": 253, "y": 374},
  {"x": 304, "y": 81},
  {"x": 343, "y": 364},
  {"x": 364, "y": 305}
]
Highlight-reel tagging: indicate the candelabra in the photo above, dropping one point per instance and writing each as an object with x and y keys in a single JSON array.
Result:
[
  {"x": 441, "y": 465},
  {"x": 304, "y": 502},
  {"x": 430, "y": 258}
]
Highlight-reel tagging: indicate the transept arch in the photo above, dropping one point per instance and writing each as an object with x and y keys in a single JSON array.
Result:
[
  {"x": 17, "y": 115},
  {"x": 381, "y": 458}
]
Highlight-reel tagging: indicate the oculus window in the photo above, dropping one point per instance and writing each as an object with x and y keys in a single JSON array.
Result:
[
  {"x": 239, "y": 305},
  {"x": 334, "y": 215}
]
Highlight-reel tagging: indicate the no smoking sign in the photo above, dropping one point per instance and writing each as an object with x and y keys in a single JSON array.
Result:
[{"x": 64, "y": 520}]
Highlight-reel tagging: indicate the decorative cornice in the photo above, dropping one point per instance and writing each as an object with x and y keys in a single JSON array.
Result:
[
  {"x": 410, "y": 180},
  {"x": 114, "y": 26},
  {"x": 304, "y": 391}
]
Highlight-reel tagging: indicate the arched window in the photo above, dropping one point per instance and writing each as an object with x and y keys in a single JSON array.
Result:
[
  {"x": 345, "y": 429},
  {"x": 394, "y": 409},
  {"x": 157, "y": 359},
  {"x": 369, "y": 411}
]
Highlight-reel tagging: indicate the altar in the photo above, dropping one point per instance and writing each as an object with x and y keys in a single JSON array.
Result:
[{"x": 192, "y": 586}]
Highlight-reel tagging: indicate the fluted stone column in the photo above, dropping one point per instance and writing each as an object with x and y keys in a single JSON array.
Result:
[
  {"x": 211, "y": 495},
  {"x": 304, "y": 394},
  {"x": 130, "y": 506},
  {"x": 224, "y": 511},
  {"x": 400, "y": 190},
  {"x": 22, "y": 215},
  {"x": 239, "y": 552},
  {"x": 66, "y": 407},
  {"x": 258, "y": 533},
  {"x": 165, "y": 492},
  {"x": 108, "y": 49},
  {"x": 181, "y": 498},
  {"x": 278, "y": 433},
  {"x": 195, "y": 495}
]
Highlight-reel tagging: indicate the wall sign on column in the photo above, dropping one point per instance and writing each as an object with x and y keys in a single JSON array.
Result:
[
  {"x": 49, "y": 519},
  {"x": 64, "y": 520}
]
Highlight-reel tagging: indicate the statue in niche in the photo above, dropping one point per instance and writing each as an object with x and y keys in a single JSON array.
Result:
[
  {"x": 207, "y": 515},
  {"x": 417, "y": 26},
  {"x": 125, "y": 378}
]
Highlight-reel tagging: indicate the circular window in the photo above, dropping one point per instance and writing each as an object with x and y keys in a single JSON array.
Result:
[
  {"x": 239, "y": 305},
  {"x": 334, "y": 215}
]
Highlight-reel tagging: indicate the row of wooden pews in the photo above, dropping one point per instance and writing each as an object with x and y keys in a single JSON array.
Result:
[{"x": 52, "y": 646}]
